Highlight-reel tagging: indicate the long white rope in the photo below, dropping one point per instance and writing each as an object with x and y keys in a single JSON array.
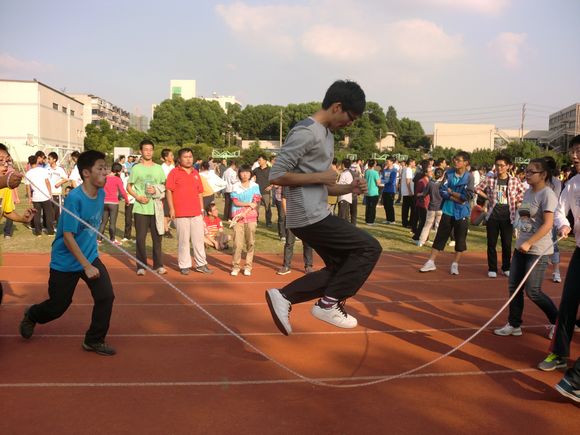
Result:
[{"x": 273, "y": 360}]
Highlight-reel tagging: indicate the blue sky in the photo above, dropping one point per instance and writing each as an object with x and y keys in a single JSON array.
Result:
[{"x": 433, "y": 60}]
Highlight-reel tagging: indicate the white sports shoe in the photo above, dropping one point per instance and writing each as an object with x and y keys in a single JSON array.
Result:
[
  {"x": 335, "y": 315},
  {"x": 235, "y": 272},
  {"x": 454, "y": 269},
  {"x": 556, "y": 277},
  {"x": 280, "y": 308},
  {"x": 508, "y": 330},
  {"x": 506, "y": 273},
  {"x": 428, "y": 266},
  {"x": 247, "y": 272},
  {"x": 491, "y": 274}
]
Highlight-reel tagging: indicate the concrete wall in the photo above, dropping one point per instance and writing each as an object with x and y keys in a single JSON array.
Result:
[{"x": 467, "y": 137}]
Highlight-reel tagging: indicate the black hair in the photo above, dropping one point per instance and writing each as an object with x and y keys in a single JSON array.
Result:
[
  {"x": 121, "y": 157},
  {"x": 425, "y": 167},
  {"x": 32, "y": 160},
  {"x": 53, "y": 155},
  {"x": 372, "y": 162},
  {"x": 75, "y": 154},
  {"x": 3, "y": 147},
  {"x": 116, "y": 168},
  {"x": 262, "y": 156},
  {"x": 146, "y": 142},
  {"x": 205, "y": 165},
  {"x": 346, "y": 163},
  {"x": 183, "y": 151},
  {"x": 87, "y": 160},
  {"x": 244, "y": 168},
  {"x": 233, "y": 162},
  {"x": 552, "y": 165},
  {"x": 544, "y": 166},
  {"x": 503, "y": 157},
  {"x": 334, "y": 161},
  {"x": 348, "y": 93},
  {"x": 40, "y": 154},
  {"x": 438, "y": 173},
  {"x": 574, "y": 141},
  {"x": 464, "y": 155},
  {"x": 165, "y": 152}
]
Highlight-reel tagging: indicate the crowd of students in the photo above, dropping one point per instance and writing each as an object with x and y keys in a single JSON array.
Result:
[{"x": 315, "y": 203}]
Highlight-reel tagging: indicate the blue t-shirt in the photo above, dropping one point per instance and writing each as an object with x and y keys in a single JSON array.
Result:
[
  {"x": 91, "y": 211},
  {"x": 389, "y": 179},
  {"x": 372, "y": 176}
]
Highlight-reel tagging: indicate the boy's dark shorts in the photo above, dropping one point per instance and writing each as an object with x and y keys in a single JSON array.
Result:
[{"x": 459, "y": 228}]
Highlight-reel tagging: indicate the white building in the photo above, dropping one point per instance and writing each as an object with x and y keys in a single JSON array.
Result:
[
  {"x": 97, "y": 109},
  {"x": 182, "y": 88},
  {"x": 223, "y": 100},
  {"x": 564, "y": 125},
  {"x": 34, "y": 116}
]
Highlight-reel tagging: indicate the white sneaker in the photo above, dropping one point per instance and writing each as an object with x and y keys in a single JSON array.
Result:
[
  {"x": 556, "y": 277},
  {"x": 419, "y": 243},
  {"x": 235, "y": 272},
  {"x": 428, "y": 266},
  {"x": 491, "y": 274},
  {"x": 161, "y": 271},
  {"x": 452, "y": 243},
  {"x": 506, "y": 273},
  {"x": 508, "y": 330},
  {"x": 335, "y": 315},
  {"x": 280, "y": 308},
  {"x": 454, "y": 269},
  {"x": 247, "y": 272},
  {"x": 140, "y": 272}
]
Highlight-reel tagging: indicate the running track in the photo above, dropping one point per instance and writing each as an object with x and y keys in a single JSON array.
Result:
[{"x": 177, "y": 372}]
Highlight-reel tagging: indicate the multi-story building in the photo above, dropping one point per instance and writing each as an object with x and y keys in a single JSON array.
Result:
[
  {"x": 34, "y": 116},
  {"x": 139, "y": 122},
  {"x": 97, "y": 109},
  {"x": 563, "y": 126},
  {"x": 182, "y": 88}
]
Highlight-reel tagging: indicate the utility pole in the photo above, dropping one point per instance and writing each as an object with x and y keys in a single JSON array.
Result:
[
  {"x": 280, "y": 128},
  {"x": 522, "y": 125}
]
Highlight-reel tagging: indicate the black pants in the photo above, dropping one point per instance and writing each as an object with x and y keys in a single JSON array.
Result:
[
  {"x": 449, "y": 226},
  {"x": 43, "y": 208},
  {"x": 266, "y": 201},
  {"x": 61, "y": 288},
  {"x": 289, "y": 250},
  {"x": 227, "y": 206},
  {"x": 344, "y": 210},
  {"x": 128, "y": 221},
  {"x": 406, "y": 209},
  {"x": 389, "y": 205},
  {"x": 9, "y": 227},
  {"x": 144, "y": 223},
  {"x": 504, "y": 229},
  {"x": 353, "y": 209},
  {"x": 56, "y": 208},
  {"x": 371, "y": 209},
  {"x": 421, "y": 218},
  {"x": 281, "y": 219},
  {"x": 568, "y": 311},
  {"x": 349, "y": 255},
  {"x": 110, "y": 212}
]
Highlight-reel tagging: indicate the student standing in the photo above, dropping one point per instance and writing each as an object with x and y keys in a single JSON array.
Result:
[
  {"x": 422, "y": 200},
  {"x": 74, "y": 256},
  {"x": 372, "y": 179},
  {"x": 113, "y": 188},
  {"x": 536, "y": 219},
  {"x": 57, "y": 177},
  {"x": 261, "y": 175},
  {"x": 39, "y": 195},
  {"x": 389, "y": 180},
  {"x": 144, "y": 177},
  {"x": 230, "y": 176},
  {"x": 349, "y": 254},
  {"x": 345, "y": 201}
]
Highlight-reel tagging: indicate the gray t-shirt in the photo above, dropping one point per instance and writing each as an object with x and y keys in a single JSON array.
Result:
[
  {"x": 531, "y": 217},
  {"x": 309, "y": 148}
]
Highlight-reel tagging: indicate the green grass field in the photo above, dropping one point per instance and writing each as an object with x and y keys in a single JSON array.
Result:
[{"x": 393, "y": 238}]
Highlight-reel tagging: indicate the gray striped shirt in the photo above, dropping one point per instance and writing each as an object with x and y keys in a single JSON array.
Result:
[{"x": 309, "y": 148}]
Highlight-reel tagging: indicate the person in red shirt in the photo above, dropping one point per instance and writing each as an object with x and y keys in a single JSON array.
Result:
[
  {"x": 113, "y": 187},
  {"x": 422, "y": 201},
  {"x": 184, "y": 195},
  {"x": 214, "y": 229}
]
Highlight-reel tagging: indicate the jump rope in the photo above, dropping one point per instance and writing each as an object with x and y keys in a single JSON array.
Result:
[{"x": 272, "y": 359}]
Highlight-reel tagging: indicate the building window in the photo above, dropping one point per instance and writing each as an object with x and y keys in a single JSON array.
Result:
[
  {"x": 95, "y": 111},
  {"x": 64, "y": 110},
  {"x": 72, "y": 113},
  {"x": 55, "y": 106}
]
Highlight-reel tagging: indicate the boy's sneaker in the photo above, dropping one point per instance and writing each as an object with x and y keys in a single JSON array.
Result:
[
  {"x": 100, "y": 348},
  {"x": 565, "y": 388},
  {"x": 428, "y": 266},
  {"x": 506, "y": 273},
  {"x": 556, "y": 277},
  {"x": 454, "y": 269},
  {"x": 419, "y": 243},
  {"x": 553, "y": 362},
  {"x": 204, "y": 269},
  {"x": 308, "y": 269},
  {"x": 235, "y": 271},
  {"x": 185, "y": 271},
  {"x": 140, "y": 272},
  {"x": 161, "y": 271},
  {"x": 491, "y": 274},
  {"x": 283, "y": 271},
  {"x": 451, "y": 243},
  {"x": 125, "y": 239},
  {"x": 335, "y": 315},
  {"x": 280, "y": 308},
  {"x": 247, "y": 272},
  {"x": 27, "y": 325},
  {"x": 116, "y": 242},
  {"x": 508, "y": 330}
]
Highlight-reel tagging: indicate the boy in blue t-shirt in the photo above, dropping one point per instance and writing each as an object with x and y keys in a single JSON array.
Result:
[{"x": 74, "y": 256}]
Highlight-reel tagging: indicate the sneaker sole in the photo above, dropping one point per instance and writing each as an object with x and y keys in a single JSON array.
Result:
[
  {"x": 427, "y": 270},
  {"x": 515, "y": 334},
  {"x": 282, "y": 273},
  {"x": 90, "y": 349},
  {"x": 277, "y": 321},
  {"x": 563, "y": 392},
  {"x": 552, "y": 368}
]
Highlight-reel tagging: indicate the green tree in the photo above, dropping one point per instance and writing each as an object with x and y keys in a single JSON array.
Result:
[
  {"x": 393, "y": 123},
  {"x": 260, "y": 122},
  {"x": 412, "y": 133},
  {"x": 100, "y": 137}
]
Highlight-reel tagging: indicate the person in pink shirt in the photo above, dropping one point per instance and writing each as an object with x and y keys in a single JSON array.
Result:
[{"x": 113, "y": 188}]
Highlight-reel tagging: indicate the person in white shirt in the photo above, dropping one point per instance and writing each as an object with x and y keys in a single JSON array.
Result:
[
  {"x": 39, "y": 195},
  {"x": 74, "y": 176},
  {"x": 167, "y": 164},
  {"x": 57, "y": 177},
  {"x": 407, "y": 192},
  {"x": 345, "y": 201},
  {"x": 231, "y": 178}
]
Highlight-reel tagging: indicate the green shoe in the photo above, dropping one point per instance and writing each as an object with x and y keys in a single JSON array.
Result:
[{"x": 553, "y": 362}]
